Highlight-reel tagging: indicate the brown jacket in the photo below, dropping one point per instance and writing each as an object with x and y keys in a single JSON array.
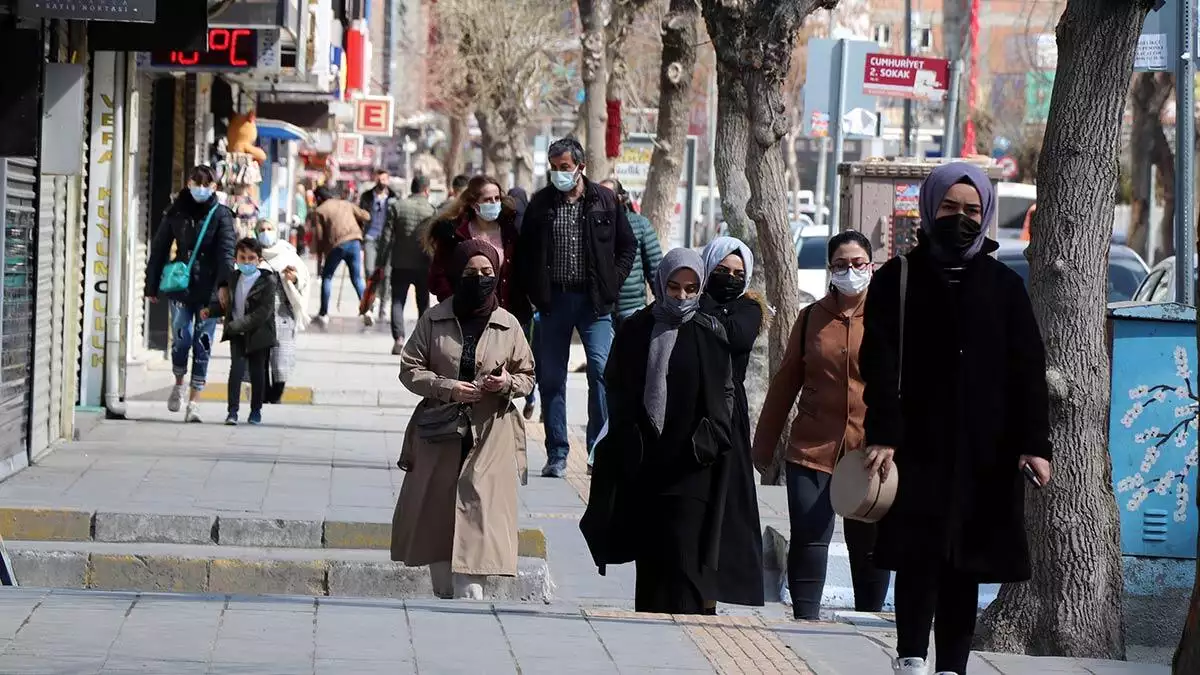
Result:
[
  {"x": 829, "y": 406},
  {"x": 464, "y": 512},
  {"x": 336, "y": 222}
]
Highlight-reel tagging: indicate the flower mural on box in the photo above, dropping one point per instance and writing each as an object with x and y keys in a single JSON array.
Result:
[{"x": 1172, "y": 439}]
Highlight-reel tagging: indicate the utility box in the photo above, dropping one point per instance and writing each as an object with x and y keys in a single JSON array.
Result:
[
  {"x": 1152, "y": 427},
  {"x": 880, "y": 199}
]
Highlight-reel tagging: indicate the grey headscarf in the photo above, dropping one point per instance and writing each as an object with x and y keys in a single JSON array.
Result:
[
  {"x": 939, "y": 182},
  {"x": 720, "y": 248},
  {"x": 669, "y": 315}
]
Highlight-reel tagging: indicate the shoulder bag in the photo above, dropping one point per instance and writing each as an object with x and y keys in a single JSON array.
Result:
[
  {"x": 441, "y": 422},
  {"x": 856, "y": 493},
  {"x": 177, "y": 275}
]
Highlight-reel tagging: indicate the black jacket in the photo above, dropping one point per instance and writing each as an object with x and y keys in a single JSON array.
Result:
[
  {"x": 180, "y": 225},
  {"x": 610, "y": 246},
  {"x": 974, "y": 400},
  {"x": 257, "y": 325},
  {"x": 633, "y": 463},
  {"x": 740, "y": 573}
]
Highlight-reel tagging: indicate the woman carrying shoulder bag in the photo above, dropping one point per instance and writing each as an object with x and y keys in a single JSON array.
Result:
[
  {"x": 820, "y": 374},
  {"x": 464, "y": 451}
]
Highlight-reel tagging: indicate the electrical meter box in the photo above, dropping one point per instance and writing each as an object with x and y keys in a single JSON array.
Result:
[{"x": 880, "y": 199}]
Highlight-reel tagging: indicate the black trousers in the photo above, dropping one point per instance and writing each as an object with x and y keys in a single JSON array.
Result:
[
  {"x": 941, "y": 592},
  {"x": 401, "y": 280},
  {"x": 812, "y": 522},
  {"x": 239, "y": 361}
]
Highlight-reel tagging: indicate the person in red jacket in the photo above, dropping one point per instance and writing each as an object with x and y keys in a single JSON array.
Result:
[{"x": 481, "y": 211}]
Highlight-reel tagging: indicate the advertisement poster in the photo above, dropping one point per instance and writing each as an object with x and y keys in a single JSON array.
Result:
[
  {"x": 95, "y": 289},
  {"x": 907, "y": 201},
  {"x": 632, "y": 167}
]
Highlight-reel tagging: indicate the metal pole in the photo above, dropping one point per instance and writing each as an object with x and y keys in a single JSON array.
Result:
[
  {"x": 835, "y": 125},
  {"x": 712, "y": 151},
  {"x": 906, "y": 142},
  {"x": 1185, "y": 130},
  {"x": 950, "y": 133},
  {"x": 822, "y": 181},
  {"x": 1152, "y": 233}
]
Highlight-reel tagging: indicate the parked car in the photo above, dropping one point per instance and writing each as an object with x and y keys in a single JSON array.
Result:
[
  {"x": 1126, "y": 270},
  {"x": 1014, "y": 201},
  {"x": 811, "y": 260},
  {"x": 1159, "y": 284}
]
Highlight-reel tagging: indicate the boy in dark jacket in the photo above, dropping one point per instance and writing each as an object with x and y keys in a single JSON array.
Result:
[{"x": 249, "y": 327}]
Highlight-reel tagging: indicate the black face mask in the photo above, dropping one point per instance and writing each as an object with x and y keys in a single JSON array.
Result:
[
  {"x": 953, "y": 236},
  {"x": 724, "y": 287},
  {"x": 473, "y": 291}
]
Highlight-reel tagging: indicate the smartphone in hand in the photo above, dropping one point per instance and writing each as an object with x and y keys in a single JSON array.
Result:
[{"x": 1031, "y": 476}]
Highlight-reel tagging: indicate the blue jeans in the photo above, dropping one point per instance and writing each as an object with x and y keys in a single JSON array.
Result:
[
  {"x": 191, "y": 335},
  {"x": 568, "y": 312},
  {"x": 350, "y": 253}
]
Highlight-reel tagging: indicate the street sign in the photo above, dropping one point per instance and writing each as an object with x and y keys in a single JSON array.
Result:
[
  {"x": 860, "y": 122},
  {"x": 821, "y": 80},
  {"x": 349, "y": 148},
  {"x": 373, "y": 115},
  {"x": 1159, "y": 44},
  {"x": 912, "y": 77},
  {"x": 129, "y": 11},
  {"x": 1008, "y": 167}
]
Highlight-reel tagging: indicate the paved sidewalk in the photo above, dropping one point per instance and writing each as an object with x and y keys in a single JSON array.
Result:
[{"x": 44, "y": 632}]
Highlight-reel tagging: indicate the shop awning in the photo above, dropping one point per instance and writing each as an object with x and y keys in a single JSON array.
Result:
[{"x": 277, "y": 130}]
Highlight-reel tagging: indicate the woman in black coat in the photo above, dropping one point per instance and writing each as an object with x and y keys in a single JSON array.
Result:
[
  {"x": 970, "y": 412},
  {"x": 728, "y": 264},
  {"x": 656, "y": 490}
]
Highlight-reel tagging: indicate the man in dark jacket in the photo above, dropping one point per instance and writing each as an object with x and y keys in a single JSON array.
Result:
[
  {"x": 401, "y": 244},
  {"x": 576, "y": 248},
  {"x": 380, "y": 201},
  {"x": 184, "y": 227}
]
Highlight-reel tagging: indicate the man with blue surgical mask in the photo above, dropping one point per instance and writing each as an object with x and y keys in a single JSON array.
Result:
[
  {"x": 202, "y": 231},
  {"x": 576, "y": 249}
]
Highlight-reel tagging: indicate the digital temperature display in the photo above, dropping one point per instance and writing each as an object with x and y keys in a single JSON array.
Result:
[{"x": 228, "y": 49}]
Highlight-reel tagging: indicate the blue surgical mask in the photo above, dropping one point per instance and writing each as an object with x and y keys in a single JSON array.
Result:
[
  {"x": 489, "y": 211},
  {"x": 201, "y": 194},
  {"x": 248, "y": 269},
  {"x": 267, "y": 238},
  {"x": 563, "y": 180}
]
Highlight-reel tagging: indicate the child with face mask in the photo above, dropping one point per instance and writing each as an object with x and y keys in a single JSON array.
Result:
[
  {"x": 820, "y": 375},
  {"x": 249, "y": 327}
]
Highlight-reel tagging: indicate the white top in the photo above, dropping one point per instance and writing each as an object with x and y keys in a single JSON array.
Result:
[{"x": 245, "y": 283}]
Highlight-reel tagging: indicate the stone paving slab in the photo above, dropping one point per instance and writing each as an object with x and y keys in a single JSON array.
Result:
[
  {"x": 179, "y": 568},
  {"x": 112, "y": 632}
]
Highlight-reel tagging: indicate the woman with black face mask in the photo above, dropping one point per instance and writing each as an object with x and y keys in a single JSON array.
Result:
[
  {"x": 728, "y": 264},
  {"x": 655, "y": 496},
  {"x": 955, "y": 387},
  {"x": 464, "y": 451}
]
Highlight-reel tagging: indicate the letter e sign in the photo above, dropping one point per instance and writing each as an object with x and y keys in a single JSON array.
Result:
[{"x": 373, "y": 116}]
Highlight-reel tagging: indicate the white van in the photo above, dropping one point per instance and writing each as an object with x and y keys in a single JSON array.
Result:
[{"x": 1013, "y": 202}]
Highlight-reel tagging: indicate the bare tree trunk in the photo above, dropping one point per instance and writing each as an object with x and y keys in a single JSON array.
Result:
[
  {"x": 733, "y": 135},
  {"x": 674, "y": 106},
  {"x": 1149, "y": 94},
  {"x": 454, "y": 162},
  {"x": 791, "y": 162},
  {"x": 522, "y": 160},
  {"x": 487, "y": 143},
  {"x": 1164, "y": 164},
  {"x": 1073, "y": 605},
  {"x": 594, "y": 16}
]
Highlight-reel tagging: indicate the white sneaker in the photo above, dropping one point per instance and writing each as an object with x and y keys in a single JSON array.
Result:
[
  {"x": 785, "y": 593},
  {"x": 193, "y": 413},
  {"x": 910, "y": 666},
  {"x": 175, "y": 400},
  {"x": 368, "y": 319},
  {"x": 321, "y": 321},
  {"x": 471, "y": 592}
]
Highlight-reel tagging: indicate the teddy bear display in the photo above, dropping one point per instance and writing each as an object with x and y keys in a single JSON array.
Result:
[{"x": 243, "y": 132}]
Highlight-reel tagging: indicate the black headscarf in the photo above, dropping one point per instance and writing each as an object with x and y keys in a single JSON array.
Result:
[{"x": 471, "y": 300}]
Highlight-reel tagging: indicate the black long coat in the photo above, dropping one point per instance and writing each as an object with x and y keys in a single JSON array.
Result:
[
  {"x": 740, "y": 571},
  {"x": 181, "y": 225},
  {"x": 632, "y": 467},
  {"x": 256, "y": 328},
  {"x": 974, "y": 400}
]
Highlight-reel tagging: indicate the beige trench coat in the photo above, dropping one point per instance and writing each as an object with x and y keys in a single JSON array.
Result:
[{"x": 467, "y": 517}]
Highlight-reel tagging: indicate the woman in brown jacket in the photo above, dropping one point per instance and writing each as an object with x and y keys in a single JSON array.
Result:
[
  {"x": 457, "y": 510},
  {"x": 820, "y": 374}
]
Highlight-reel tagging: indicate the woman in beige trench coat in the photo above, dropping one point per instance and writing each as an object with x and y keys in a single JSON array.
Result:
[{"x": 457, "y": 510}]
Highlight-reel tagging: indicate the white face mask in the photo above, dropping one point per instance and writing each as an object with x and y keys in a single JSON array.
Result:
[
  {"x": 852, "y": 281},
  {"x": 489, "y": 211}
]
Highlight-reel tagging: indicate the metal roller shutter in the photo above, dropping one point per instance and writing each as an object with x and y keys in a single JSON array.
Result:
[
  {"x": 139, "y": 215},
  {"x": 19, "y": 198},
  {"x": 47, "y": 357}
]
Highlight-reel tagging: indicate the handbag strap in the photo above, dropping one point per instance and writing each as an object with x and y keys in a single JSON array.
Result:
[
  {"x": 903, "y": 298},
  {"x": 807, "y": 311},
  {"x": 200, "y": 238}
]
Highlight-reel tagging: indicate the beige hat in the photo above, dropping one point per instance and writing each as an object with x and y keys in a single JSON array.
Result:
[{"x": 859, "y": 495}]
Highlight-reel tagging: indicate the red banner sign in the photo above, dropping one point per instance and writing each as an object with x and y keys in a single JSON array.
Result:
[{"x": 912, "y": 77}]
